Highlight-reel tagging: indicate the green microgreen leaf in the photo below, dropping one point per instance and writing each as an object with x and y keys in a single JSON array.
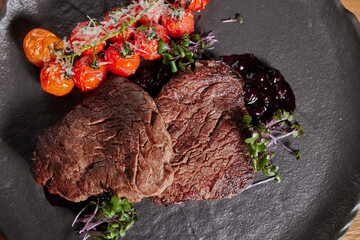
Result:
[
  {"x": 254, "y": 136},
  {"x": 181, "y": 66},
  {"x": 185, "y": 50},
  {"x": 142, "y": 28},
  {"x": 181, "y": 51},
  {"x": 162, "y": 46},
  {"x": 195, "y": 37},
  {"x": 167, "y": 58},
  {"x": 278, "y": 178},
  {"x": 298, "y": 154},
  {"x": 173, "y": 67},
  {"x": 246, "y": 121}
]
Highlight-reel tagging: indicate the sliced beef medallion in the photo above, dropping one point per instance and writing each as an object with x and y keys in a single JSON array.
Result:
[
  {"x": 115, "y": 140},
  {"x": 203, "y": 109}
]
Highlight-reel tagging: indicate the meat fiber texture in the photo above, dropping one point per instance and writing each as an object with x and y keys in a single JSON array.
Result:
[
  {"x": 115, "y": 140},
  {"x": 203, "y": 109}
]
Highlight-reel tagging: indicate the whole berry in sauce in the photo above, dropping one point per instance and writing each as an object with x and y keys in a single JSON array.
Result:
[{"x": 265, "y": 88}]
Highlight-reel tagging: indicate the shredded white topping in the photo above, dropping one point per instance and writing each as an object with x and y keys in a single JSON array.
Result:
[
  {"x": 104, "y": 63},
  {"x": 88, "y": 35},
  {"x": 66, "y": 44},
  {"x": 65, "y": 65}
]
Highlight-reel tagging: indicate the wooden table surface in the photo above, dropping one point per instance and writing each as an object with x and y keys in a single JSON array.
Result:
[{"x": 354, "y": 231}]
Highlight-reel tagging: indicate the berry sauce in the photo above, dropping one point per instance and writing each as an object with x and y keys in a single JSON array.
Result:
[
  {"x": 265, "y": 88},
  {"x": 151, "y": 76}
]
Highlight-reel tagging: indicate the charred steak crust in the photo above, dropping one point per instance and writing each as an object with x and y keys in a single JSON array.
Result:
[
  {"x": 202, "y": 109},
  {"x": 115, "y": 140}
]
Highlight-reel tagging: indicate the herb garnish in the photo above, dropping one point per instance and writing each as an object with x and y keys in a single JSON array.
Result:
[
  {"x": 184, "y": 52},
  {"x": 125, "y": 51},
  {"x": 111, "y": 218},
  {"x": 176, "y": 12},
  {"x": 265, "y": 136},
  {"x": 149, "y": 30}
]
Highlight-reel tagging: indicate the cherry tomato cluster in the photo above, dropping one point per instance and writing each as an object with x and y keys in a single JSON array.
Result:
[{"x": 124, "y": 37}]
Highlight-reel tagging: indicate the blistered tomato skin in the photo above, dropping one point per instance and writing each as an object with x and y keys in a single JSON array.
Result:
[
  {"x": 110, "y": 26},
  {"x": 36, "y": 43},
  {"x": 197, "y": 5},
  {"x": 83, "y": 35},
  {"x": 118, "y": 65},
  {"x": 53, "y": 80},
  {"x": 152, "y": 17},
  {"x": 149, "y": 49},
  {"x": 87, "y": 78},
  {"x": 176, "y": 29}
]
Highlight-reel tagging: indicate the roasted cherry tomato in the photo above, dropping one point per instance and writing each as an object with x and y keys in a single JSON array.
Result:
[
  {"x": 88, "y": 74},
  {"x": 53, "y": 81},
  {"x": 177, "y": 28},
  {"x": 146, "y": 41},
  {"x": 111, "y": 26},
  {"x": 36, "y": 46},
  {"x": 197, "y": 5},
  {"x": 120, "y": 64},
  {"x": 86, "y": 33}
]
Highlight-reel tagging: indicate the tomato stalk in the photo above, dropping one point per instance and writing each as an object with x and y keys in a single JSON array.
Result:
[{"x": 94, "y": 59}]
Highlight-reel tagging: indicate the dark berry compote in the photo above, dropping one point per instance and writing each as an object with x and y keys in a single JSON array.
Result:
[{"x": 265, "y": 88}]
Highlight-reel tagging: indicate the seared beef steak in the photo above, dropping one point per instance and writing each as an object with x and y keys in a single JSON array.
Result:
[
  {"x": 115, "y": 140},
  {"x": 202, "y": 110}
]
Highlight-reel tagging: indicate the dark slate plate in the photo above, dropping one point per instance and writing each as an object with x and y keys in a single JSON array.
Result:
[{"x": 316, "y": 46}]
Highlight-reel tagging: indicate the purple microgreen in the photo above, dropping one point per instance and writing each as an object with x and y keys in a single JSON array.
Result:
[
  {"x": 261, "y": 182},
  {"x": 265, "y": 136},
  {"x": 77, "y": 216},
  {"x": 110, "y": 219}
]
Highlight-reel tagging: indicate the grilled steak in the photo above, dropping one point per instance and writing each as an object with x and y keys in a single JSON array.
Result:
[
  {"x": 202, "y": 110},
  {"x": 115, "y": 140}
]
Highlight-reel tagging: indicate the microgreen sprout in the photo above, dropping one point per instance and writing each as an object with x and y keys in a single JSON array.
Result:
[
  {"x": 184, "y": 52},
  {"x": 238, "y": 18},
  {"x": 110, "y": 219},
  {"x": 265, "y": 136}
]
